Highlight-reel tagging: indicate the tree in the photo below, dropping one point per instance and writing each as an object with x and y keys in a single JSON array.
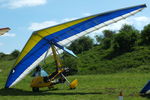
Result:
[
  {"x": 2, "y": 55},
  {"x": 82, "y": 44},
  {"x": 108, "y": 33},
  {"x": 71, "y": 63},
  {"x": 15, "y": 53},
  {"x": 106, "y": 41},
  {"x": 125, "y": 39},
  {"x": 98, "y": 39},
  {"x": 127, "y": 28},
  {"x": 145, "y": 35}
]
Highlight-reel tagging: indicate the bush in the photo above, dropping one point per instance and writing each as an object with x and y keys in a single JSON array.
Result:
[
  {"x": 125, "y": 40},
  {"x": 145, "y": 35},
  {"x": 15, "y": 53},
  {"x": 81, "y": 45},
  {"x": 71, "y": 63}
]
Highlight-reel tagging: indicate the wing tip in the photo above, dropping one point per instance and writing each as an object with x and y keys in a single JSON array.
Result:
[
  {"x": 7, "y": 86},
  {"x": 144, "y": 5},
  {"x": 5, "y": 28}
]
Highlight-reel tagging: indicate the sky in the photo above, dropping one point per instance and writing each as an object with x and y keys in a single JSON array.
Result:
[{"x": 26, "y": 16}]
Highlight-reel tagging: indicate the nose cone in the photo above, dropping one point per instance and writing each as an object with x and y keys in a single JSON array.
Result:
[{"x": 8, "y": 84}]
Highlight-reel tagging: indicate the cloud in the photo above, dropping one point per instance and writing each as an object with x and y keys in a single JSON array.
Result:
[
  {"x": 68, "y": 19},
  {"x": 9, "y": 35},
  {"x": 87, "y": 14},
  {"x": 22, "y": 3},
  {"x": 142, "y": 19},
  {"x": 37, "y": 26}
]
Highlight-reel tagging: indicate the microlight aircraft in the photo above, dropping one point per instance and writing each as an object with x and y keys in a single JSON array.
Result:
[
  {"x": 4, "y": 30},
  {"x": 46, "y": 41}
]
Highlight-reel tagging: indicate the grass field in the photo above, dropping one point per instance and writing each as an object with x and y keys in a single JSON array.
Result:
[{"x": 91, "y": 87}]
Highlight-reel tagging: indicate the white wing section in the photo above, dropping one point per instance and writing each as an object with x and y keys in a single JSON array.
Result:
[{"x": 71, "y": 39}]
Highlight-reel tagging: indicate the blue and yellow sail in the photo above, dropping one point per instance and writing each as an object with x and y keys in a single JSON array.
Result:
[{"x": 38, "y": 46}]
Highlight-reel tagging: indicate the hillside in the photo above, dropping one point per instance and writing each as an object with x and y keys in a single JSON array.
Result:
[
  {"x": 97, "y": 61},
  {"x": 94, "y": 61}
]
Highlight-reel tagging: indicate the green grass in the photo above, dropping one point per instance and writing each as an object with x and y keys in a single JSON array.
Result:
[
  {"x": 91, "y": 87},
  {"x": 128, "y": 73}
]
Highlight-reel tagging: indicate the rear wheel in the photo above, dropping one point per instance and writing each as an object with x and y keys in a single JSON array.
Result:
[{"x": 35, "y": 89}]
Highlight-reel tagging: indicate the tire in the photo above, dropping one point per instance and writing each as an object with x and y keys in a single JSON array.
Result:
[{"x": 35, "y": 89}]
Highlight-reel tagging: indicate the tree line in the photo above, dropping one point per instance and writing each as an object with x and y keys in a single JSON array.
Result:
[
  {"x": 13, "y": 55},
  {"x": 120, "y": 41}
]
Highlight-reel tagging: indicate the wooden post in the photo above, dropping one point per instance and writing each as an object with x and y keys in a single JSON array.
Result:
[{"x": 121, "y": 95}]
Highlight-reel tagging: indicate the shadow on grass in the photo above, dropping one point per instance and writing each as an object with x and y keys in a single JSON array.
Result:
[
  {"x": 145, "y": 96},
  {"x": 19, "y": 92}
]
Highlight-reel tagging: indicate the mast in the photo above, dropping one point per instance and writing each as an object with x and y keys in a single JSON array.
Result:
[{"x": 56, "y": 58}]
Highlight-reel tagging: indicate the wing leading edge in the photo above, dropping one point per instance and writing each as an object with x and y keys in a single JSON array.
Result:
[{"x": 38, "y": 46}]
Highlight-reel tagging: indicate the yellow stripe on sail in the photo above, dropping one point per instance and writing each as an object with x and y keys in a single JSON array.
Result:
[{"x": 45, "y": 32}]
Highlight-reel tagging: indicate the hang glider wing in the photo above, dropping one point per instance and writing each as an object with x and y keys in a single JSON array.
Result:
[
  {"x": 146, "y": 89},
  {"x": 4, "y": 30},
  {"x": 39, "y": 43}
]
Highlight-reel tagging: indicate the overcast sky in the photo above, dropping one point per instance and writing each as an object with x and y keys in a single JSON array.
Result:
[{"x": 26, "y": 16}]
